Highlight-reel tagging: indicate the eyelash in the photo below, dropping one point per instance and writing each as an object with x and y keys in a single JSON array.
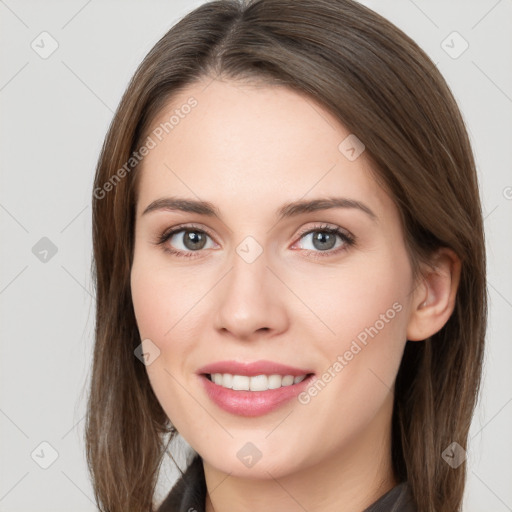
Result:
[{"x": 348, "y": 240}]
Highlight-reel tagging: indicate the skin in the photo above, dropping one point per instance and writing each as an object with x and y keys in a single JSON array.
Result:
[{"x": 249, "y": 149}]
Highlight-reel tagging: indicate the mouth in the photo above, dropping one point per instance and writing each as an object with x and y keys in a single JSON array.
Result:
[
  {"x": 252, "y": 389},
  {"x": 255, "y": 383}
]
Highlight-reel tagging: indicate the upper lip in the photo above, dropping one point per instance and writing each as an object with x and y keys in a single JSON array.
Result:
[{"x": 252, "y": 369}]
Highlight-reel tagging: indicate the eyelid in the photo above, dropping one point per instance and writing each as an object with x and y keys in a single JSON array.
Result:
[
  {"x": 325, "y": 226},
  {"x": 335, "y": 229},
  {"x": 185, "y": 227},
  {"x": 346, "y": 236}
]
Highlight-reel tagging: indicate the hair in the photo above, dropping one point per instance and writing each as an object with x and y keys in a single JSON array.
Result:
[{"x": 386, "y": 91}]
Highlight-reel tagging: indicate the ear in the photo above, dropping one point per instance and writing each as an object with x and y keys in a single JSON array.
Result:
[{"x": 434, "y": 297}]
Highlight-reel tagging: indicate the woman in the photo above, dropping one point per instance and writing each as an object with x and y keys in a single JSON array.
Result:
[{"x": 290, "y": 269}]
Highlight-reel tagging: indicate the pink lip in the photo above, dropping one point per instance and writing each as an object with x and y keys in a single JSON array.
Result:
[
  {"x": 252, "y": 369},
  {"x": 252, "y": 403}
]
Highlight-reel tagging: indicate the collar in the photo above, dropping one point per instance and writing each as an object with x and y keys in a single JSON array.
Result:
[{"x": 189, "y": 493}]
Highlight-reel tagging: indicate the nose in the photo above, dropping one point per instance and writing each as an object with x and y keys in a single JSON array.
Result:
[{"x": 251, "y": 300}]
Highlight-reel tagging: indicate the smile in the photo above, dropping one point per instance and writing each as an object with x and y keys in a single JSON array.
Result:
[
  {"x": 252, "y": 388},
  {"x": 255, "y": 383}
]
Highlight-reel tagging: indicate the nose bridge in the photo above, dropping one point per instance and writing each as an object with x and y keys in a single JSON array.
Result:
[
  {"x": 248, "y": 300},
  {"x": 248, "y": 279},
  {"x": 248, "y": 262}
]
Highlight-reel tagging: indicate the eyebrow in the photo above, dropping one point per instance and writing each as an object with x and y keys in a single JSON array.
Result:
[{"x": 288, "y": 210}]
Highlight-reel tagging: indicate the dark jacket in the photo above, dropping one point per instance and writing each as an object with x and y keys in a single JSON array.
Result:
[{"x": 189, "y": 493}]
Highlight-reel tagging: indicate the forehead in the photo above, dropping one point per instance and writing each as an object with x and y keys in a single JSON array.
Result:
[{"x": 251, "y": 146}]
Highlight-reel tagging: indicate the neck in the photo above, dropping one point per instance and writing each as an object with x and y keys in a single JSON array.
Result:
[{"x": 349, "y": 479}]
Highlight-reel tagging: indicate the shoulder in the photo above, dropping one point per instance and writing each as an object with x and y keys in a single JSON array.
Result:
[
  {"x": 398, "y": 499},
  {"x": 189, "y": 492}
]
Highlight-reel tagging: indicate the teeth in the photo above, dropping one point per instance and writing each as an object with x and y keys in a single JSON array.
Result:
[
  {"x": 226, "y": 381},
  {"x": 287, "y": 380},
  {"x": 274, "y": 381},
  {"x": 256, "y": 383},
  {"x": 240, "y": 382}
]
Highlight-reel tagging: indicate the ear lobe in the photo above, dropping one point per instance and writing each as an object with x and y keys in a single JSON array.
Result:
[{"x": 434, "y": 300}]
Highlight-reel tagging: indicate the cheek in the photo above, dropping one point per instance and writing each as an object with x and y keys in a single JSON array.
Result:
[
  {"x": 368, "y": 311},
  {"x": 156, "y": 299},
  {"x": 149, "y": 313},
  {"x": 373, "y": 308},
  {"x": 164, "y": 311},
  {"x": 369, "y": 298}
]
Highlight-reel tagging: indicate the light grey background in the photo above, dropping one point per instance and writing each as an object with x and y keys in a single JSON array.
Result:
[{"x": 54, "y": 115}]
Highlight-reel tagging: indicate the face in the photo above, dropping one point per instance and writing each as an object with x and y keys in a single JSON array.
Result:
[{"x": 250, "y": 284}]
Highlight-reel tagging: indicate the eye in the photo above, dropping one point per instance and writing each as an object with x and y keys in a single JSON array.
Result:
[
  {"x": 322, "y": 240},
  {"x": 188, "y": 240}
]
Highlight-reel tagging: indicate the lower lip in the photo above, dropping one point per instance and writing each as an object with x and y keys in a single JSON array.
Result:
[{"x": 252, "y": 403}]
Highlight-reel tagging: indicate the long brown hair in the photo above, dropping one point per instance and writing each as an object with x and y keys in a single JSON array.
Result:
[{"x": 388, "y": 93}]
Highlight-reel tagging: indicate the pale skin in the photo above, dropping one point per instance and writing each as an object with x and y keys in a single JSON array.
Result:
[{"x": 249, "y": 150}]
